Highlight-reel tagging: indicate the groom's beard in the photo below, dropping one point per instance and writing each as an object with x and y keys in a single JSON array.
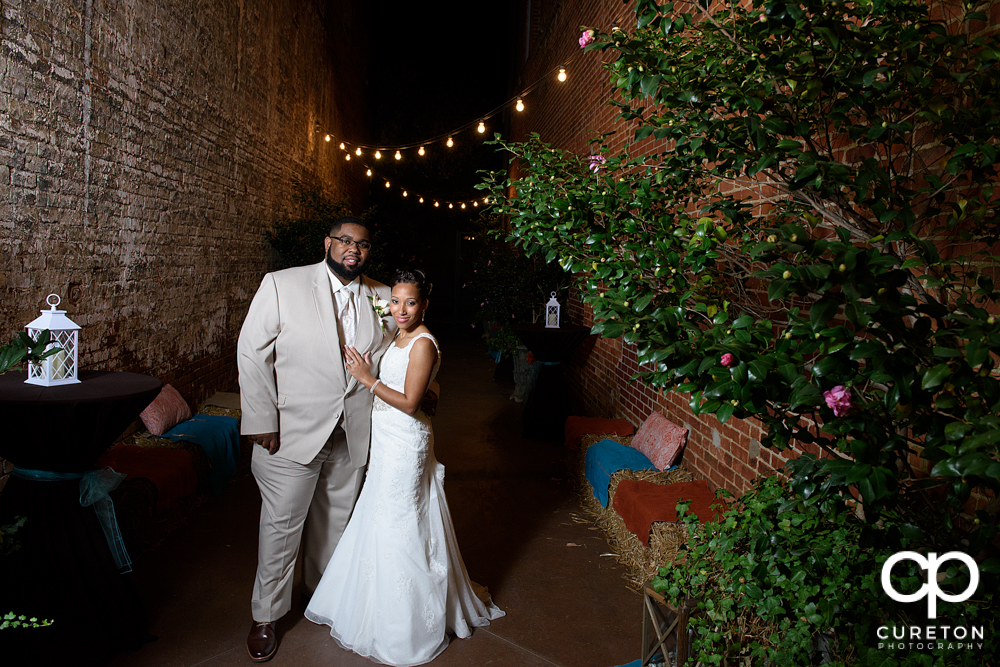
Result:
[{"x": 344, "y": 272}]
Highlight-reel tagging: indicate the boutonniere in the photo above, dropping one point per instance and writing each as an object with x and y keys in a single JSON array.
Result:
[{"x": 381, "y": 308}]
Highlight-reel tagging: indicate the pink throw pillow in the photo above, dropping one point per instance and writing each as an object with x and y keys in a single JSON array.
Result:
[
  {"x": 660, "y": 440},
  {"x": 166, "y": 411}
]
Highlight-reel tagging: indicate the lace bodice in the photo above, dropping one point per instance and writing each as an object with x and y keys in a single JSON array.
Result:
[{"x": 392, "y": 369}]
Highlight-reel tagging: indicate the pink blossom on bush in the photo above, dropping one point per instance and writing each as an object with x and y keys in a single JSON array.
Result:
[
  {"x": 727, "y": 359},
  {"x": 838, "y": 399},
  {"x": 596, "y": 162},
  {"x": 586, "y": 38}
]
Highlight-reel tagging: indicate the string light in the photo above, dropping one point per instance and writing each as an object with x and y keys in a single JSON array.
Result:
[{"x": 480, "y": 125}]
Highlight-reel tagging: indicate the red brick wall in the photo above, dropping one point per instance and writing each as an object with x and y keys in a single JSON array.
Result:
[
  {"x": 568, "y": 115},
  {"x": 146, "y": 146}
]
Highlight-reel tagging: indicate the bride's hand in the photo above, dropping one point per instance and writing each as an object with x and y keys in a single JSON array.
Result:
[{"x": 359, "y": 366}]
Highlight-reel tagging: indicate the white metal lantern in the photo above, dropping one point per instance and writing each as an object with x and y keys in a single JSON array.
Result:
[
  {"x": 552, "y": 313},
  {"x": 61, "y": 367}
]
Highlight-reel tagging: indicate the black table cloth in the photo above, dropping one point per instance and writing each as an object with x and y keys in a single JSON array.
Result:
[
  {"x": 548, "y": 405},
  {"x": 64, "y": 570}
]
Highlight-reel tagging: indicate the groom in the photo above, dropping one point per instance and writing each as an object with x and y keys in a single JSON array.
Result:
[{"x": 309, "y": 418}]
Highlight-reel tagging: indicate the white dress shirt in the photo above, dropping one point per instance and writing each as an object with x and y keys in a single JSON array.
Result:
[{"x": 346, "y": 299}]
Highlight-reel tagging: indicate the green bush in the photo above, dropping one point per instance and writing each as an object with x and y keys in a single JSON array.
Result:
[
  {"x": 847, "y": 304},
  {"x": 785, "y": 580}
]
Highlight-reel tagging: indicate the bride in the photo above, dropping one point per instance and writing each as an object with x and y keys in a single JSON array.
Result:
[{"x": 396, "y": 585}]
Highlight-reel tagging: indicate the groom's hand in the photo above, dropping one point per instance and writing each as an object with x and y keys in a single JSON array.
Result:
[
  {"x": 429, "y": 404},
  {"x": 268, "y": 441}
]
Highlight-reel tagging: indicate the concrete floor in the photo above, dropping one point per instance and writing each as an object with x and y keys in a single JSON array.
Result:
[{"x": 518, "y": 521}]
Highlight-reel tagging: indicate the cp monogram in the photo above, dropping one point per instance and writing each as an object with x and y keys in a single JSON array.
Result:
[{"x": 930, "y": 589}]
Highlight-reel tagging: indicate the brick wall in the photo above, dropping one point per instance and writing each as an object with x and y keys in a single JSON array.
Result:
[
  {"x": 145, "y": 148},
  {"x": 568, "y": 115}
]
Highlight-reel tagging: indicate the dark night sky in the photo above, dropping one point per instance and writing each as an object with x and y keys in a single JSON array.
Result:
[{"x": 431, "y": 70}]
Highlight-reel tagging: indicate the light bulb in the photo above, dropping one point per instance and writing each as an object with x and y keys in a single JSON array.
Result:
[
  {"x": 404, "y": 193},
  {"x": 387, "y": 184},
  {"x": 476, "y": 204},
  {"x": 486, "y": 200},
  {"x": 436, "y": 204},
  {"x": 347, "y": 157},
  {"x": 449, "y": 143},
  {"x": 562, "y": 74},
  {"x": 378, "y": 156},
  {"x": 451, "y": 206},
  {"x": 520, "y": 104},
  {"x": 421, "y": 151},
  {"x": 369, "y": 173},
  {"x": 481, "y": 128},
  {"x": 358, "y": 152},
  {"x": 463, "y": 204},
  {"x": 341, "y": 145},
  {"x": 399, "y": 156},
  {"x": 327, "y": 137},
  {"x": 421, "y": 200}
]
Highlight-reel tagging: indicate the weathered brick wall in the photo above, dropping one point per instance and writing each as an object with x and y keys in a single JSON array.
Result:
[
  {"x": 568, "y": 115},
  {"x": 145, "y": 148}
]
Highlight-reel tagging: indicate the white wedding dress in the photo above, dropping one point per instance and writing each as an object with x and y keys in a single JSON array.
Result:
[{"x": 396, "y": 585}]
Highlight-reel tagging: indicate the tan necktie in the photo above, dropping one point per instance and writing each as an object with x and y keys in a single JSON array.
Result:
[{"x": 347, "y": 317}]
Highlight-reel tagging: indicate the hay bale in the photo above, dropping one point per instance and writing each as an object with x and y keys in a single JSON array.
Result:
[
  {"x": 219, "y": 411},
  {"x": 665, "y": 538}
]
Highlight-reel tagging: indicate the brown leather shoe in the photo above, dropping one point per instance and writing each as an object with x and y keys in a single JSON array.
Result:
[{"x": 262, "y": 642}]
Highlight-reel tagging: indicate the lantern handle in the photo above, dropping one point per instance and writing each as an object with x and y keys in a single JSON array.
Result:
[
  {"x": 48, "y": 300},
  {"x": 553, "y": 295}
]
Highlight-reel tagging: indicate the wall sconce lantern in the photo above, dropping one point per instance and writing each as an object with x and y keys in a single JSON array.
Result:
[
  {"x": 552, "y": 313},
  {"x": 61, "y": 367}
]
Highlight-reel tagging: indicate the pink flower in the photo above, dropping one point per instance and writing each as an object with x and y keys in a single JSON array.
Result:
[
  {"x": 596, "y": 162},
  {"x": 727, "y": 359},
  {"x": 838, "y": 399},
  {"x": 586, "y": 38}
]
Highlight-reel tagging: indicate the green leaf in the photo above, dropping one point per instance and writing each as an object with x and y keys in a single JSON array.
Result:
[
  {"x": 613, "y": 329},
  {"x": 858, "y": 472},
  {"x": 935, "y": 376},
  {"x": 806, "y": 395},
  {"x": 823, "y": 310}
]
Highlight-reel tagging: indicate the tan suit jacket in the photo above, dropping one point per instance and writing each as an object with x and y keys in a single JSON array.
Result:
[{"x": 291, "y": 367}]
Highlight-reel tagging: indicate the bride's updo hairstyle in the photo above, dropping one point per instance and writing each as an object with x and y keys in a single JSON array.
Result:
[{"x": 413, "y": 276}]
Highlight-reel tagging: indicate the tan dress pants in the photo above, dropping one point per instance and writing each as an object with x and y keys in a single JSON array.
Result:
[{"x": 316, "y": 498}]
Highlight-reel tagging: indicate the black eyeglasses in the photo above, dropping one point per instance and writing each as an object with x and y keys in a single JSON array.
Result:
[{"x": 348, "y": 241}]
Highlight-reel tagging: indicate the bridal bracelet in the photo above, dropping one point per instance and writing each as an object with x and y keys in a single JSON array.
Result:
[{"x": 372, "y": 390}]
